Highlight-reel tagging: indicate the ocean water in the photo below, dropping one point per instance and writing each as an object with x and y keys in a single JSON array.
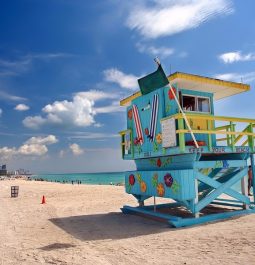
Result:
[
  {"x": 95, "y": 178},
  {"x": 85, "y": 178}
]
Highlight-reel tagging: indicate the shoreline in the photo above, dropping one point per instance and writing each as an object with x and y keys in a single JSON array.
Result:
[{"x": 26, "y": 178}]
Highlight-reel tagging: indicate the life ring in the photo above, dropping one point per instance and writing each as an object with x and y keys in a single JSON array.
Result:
[{"x": 200, "y": 143}]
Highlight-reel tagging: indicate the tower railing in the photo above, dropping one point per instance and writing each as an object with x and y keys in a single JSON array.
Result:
[{"x": 232, "y": 134}]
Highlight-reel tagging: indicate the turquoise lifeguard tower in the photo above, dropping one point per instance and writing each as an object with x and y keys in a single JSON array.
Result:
[{"x": 184, "y": 152}]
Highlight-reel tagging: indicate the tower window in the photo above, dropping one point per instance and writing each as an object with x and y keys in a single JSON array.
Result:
[
  {"x": 194, "y": 103},
  {"x": 189, "y": 103},
  {"x": 203, "y": 104}
]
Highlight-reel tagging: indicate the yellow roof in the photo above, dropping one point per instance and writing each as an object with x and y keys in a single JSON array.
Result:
[{"x": 220, "y": 89}]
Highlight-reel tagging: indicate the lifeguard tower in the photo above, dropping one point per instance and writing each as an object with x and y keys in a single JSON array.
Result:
[{"x": 184, "y": 152}]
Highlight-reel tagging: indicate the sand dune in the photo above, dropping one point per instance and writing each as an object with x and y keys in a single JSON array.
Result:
[{"x": 84, "y": 225}]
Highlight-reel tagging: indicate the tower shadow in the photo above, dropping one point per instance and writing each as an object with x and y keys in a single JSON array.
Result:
[{"x": 108, "y": 226}]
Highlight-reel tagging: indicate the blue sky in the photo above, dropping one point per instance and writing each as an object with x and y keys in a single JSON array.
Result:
[{"x": 64, "y": 66}]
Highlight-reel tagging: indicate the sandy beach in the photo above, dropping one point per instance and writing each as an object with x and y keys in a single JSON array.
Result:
[{"x": 84, "y": 225}]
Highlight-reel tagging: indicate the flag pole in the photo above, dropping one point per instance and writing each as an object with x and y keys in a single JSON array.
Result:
[{"x": 181, "y": 110}]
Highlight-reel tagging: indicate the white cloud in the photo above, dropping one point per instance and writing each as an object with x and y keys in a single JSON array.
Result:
[
  {"x": 237, "y": 77},
  {"x": 61, "y": 153},
  {"x": 50, "y": 139},
  {"x": 79, "y": 112},
  {"x": 7, "y": 73},
  {"x": 1, "y": 112},
  {"x": 47, "y": 56},
  {"x": 92, "y": 135},
  {"x": 32, "y": 149},
  {"x": 231, "y": 57},
  {"x": 96, "y": 95},
  {"x": 24, "y": 63},
  {"x": 6, "y": 96},
  {"x": 169, "y": 17},
  {"x": 22, "y": 107},
  {"x": 14, "y": 67},
  {"x": 162, "y": 52},
  {"x": 35, "y": 146},
  {"x": 76, "y": 149},
  {"x": 34, "y": 122},
  {"x": 6, "y": 152},
  {"x": 114, "y": 107},
  {"x": 114, "y": 75},
  {"x": 98, "y": 125}
]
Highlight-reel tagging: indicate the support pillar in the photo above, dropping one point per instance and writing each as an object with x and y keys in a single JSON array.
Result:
[
  {"x": 196, "y": 199},
  {"x": 253, "y": 175},
  {"x": 244, "y": 189},
  {"x": 141, "y": 203}
]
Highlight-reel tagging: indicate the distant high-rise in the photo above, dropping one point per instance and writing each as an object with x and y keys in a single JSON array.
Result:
[{"x": 3, "y": 170}]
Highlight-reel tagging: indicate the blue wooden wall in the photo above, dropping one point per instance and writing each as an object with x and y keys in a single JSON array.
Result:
[{"x": 175, "y": 184}]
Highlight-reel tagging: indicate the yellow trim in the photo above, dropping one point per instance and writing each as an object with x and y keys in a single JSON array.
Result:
[
  {"x": 221, "y": 139},
  {"x": 240, "y": 136},
  {"x": 245, "y": 142},
  {"x": 215, "y": 132},
  {"x": 225, "y": 127},
  {"x": 208, "y": 80},
  {"x": 124, "y": 132},
  {"x": 209, "y": 117},
  {"x": 125, "y": 101}
]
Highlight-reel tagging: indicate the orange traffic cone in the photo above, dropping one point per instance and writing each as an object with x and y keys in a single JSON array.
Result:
[{"x": 43, "y": 200}]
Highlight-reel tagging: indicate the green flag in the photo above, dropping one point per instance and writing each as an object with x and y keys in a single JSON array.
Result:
[{"x": 153, "y": 81}]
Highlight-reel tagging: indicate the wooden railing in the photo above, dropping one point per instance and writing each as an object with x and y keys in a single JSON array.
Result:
[
  {"x": 231, "y": 136},
  {"x": 123, "y": 142}
]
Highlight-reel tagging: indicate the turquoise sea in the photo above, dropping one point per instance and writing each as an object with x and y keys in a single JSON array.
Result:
[
  {"x": 109, "y": 178},
  {"x": 85, "y": 178}
]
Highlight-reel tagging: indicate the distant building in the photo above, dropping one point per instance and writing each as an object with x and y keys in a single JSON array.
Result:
[{"x": 3, "y": 170}]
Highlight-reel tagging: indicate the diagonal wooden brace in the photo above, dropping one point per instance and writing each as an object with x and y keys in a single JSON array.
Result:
[
  {"x": 214, "y": 172},
  {"x": 220, "y": 180},
  {"x": 221, "y": 188},
  {"x": 216, "y": 184}
]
